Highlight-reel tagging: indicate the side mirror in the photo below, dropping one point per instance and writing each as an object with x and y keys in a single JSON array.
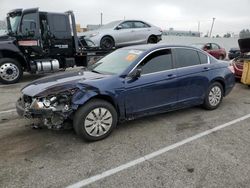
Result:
[
  {"x": 118, "y": 27},
  {"x": 135, "y": 74}
]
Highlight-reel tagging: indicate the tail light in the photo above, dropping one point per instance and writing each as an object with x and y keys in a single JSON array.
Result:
[{"x": 231, "y": 68}]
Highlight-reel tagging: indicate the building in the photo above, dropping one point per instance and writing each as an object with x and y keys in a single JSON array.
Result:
[
  {"x": 93, "y": 27},
  {"x": 2, "y": 25},
  {"x": 172, "y": 32}
]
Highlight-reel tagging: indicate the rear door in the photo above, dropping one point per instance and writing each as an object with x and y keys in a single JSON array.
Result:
[
  {"x": 142, "y": 31},
  {"x": 193, "y": 71},
  {"x": 156, "y": 88}
]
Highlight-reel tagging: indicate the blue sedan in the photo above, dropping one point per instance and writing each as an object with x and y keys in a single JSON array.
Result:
[{"x": 129, "y": 83}]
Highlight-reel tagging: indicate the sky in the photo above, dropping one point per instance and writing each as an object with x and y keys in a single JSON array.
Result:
[{"x": 230, "y": 15}]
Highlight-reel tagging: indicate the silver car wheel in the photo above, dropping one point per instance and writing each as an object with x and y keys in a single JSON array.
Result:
[
  {"x": 98, "y": 122},
  {"x": 215, "y": 95},
  {"x": 9, "y": 72}
]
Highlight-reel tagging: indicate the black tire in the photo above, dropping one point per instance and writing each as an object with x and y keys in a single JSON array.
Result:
[
  {"x": 107, "y": 43},
  {"x": 221, "y": 57},
  {"x": 8, "y": 67},
  {"x": 207, "y": 103},
  {"x": 152, "y": 40},
  {"x": 82, "y": 113}
]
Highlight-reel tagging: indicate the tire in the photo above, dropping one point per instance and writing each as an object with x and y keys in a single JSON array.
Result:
[
  {"x": 221, "y": 57},
  {"x": 213, "y": 96},
  {"x": 90, "y": 124},
  {"x": 10, "y": 71},
  {"x": 107, "y": 43},
  {"x": 152, "y": 40}
]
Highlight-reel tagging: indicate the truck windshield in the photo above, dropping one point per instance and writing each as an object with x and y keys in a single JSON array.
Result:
[
  {"x": 13, "y": 22},
  {"x": 116, "y": 62}
]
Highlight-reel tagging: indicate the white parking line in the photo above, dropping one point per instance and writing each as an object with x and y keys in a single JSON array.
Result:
[
  {"x": 7, "y": 111},
  {"x": 154, "y": 154}
]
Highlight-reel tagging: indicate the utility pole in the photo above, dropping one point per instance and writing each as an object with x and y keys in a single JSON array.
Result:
[
  {"x": 199, "y": 23},
  {"x": 212, "y": 28},
  {"x": 101, "y": 18}
]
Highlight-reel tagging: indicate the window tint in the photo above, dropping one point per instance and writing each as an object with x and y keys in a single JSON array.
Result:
[
  {"x": 29, "y": 22},
  {"x": 59, "y": 22},
  {"x": 203, "y": 58},
  {"x": 140, "y": 25},
  {"x": 127, "y": 25},
  {"x": 186, "y": 57},
  {"x": 158, "y": 61},
  {"x": 215, "y": 47}
]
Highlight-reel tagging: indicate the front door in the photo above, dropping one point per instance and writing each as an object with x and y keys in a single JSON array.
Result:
[{"x": 155, "y": 89}]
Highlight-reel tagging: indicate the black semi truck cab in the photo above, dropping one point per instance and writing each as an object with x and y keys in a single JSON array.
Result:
[{"x": 41, "y": 42}]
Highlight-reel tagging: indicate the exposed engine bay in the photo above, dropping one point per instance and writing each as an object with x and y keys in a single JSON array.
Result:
[{"x": 52, "y": 110}]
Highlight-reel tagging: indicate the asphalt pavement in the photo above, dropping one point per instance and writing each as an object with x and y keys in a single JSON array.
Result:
[{"x": 47, "y": 158}]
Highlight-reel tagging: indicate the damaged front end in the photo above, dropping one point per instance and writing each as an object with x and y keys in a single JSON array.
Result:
[{"x": 53, "y": 110}]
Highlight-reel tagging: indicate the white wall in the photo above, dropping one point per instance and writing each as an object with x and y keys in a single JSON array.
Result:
[{"x": 226, "y": 43}]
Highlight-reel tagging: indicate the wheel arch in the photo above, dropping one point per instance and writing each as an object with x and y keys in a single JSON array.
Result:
[
  {"x": 14, "y": 55},
  {"x": 107, "y": 35},
  {"x": 221, "y": 81}
]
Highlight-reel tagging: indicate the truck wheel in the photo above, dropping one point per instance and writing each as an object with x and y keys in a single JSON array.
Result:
[
  {"x": 214, "y": 96},
  {"x": 10, "y": 71},
  {"x": 107, "y": 43},
  {"x": 95, "y": 120}
]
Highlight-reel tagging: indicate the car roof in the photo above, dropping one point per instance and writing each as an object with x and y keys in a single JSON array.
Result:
[{"x": 150, "y": 47}]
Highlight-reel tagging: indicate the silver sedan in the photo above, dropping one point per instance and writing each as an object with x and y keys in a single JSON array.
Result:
[{"x": 124, "y": 33}]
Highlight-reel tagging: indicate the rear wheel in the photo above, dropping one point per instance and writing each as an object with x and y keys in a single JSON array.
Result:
[
  {"x": 95, "y": 120},
  {"x": 10, "y": 71},
  {"x": 221, "y": 57},
  {"x": 214, "y": 96},
  {"x": 107, "y": 43},
  {"x": 152, "y": 40}
]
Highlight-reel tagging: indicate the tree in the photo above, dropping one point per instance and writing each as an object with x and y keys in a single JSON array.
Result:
[
  {"x": 228, "y": 35},
  {"x": 245, "y": 33}
]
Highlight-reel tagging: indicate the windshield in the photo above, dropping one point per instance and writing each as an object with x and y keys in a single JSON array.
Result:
[
  {"x": 110, "y": 25},
  {"x": 13, "y": 23},
  {"x": 116, "y": 62}
]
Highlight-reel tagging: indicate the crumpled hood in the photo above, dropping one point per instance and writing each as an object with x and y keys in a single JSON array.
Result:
[{"x": 58, "y": 83}]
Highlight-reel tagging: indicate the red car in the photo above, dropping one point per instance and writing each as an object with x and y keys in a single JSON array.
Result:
[{"x": 213, "y": 49}]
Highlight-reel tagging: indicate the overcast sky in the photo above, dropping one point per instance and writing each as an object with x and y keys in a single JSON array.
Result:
[{"x": 231, "y": 15}]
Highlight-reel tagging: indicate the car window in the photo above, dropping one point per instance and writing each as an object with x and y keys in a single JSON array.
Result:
[
  {"x": 157, "y": 61},
  {"x": 215, "y": 47},
  {"x": 208, "y": 46},
  {"x": 203, "y": 58},
  {"x": 127, "y": 25},
  {"x": 186, "y": 57},
  {"x": 140, "y": 25}
]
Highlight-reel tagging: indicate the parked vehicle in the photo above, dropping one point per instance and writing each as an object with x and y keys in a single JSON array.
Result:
[
  {"x": 213, "y": 49},
  {"x": 234, "y": 53},
  {"x": 129, "y": 83},
  {"x": 238, "y": 64},
  {"x": 41, "y": 42},
  {"x": 124, "y": 33}
]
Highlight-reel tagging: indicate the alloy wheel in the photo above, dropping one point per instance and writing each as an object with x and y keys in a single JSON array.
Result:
[
  {"x": 9, "y": 71},
  {"x": 215, "y": 95}
]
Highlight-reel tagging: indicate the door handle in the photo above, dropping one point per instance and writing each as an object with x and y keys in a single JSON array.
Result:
[
  {"x": 171, "y": 76},
  {"x": 206, "y": 69}
]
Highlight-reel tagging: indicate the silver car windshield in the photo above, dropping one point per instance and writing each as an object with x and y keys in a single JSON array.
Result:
[
  {"x": 116, "y": 62},
  {"x": 110, "y": 25}
]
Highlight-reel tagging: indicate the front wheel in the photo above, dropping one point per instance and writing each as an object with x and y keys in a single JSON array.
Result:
[
  {"x": 107, "y": 43},
  {"x": 95, "y": 120},
  {"x": 214, "y": 96},
  {"x": 10, "y": 71},
  {"x": 152, "y": 40}
]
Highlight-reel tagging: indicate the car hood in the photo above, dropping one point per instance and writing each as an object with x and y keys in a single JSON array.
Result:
[{"x": 59, "y": 83}]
